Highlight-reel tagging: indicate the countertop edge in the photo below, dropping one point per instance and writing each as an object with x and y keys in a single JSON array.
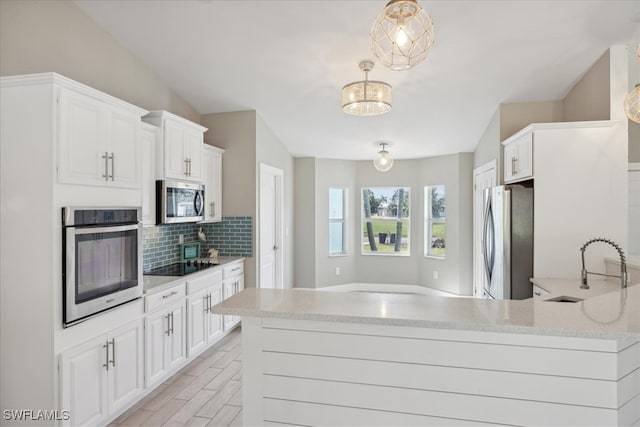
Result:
[{"x": 628, "y": 338}]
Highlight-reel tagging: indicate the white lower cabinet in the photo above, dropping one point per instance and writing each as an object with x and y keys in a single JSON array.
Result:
[
  {"x": 233, "y": 283},
  {"x": 165, "y": 343},
  {"x": 102, "y": 376},
  {"x": 204, "y": 327}
]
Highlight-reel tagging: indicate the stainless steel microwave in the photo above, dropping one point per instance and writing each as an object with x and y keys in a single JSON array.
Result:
[{"x": 178, "y": 201}]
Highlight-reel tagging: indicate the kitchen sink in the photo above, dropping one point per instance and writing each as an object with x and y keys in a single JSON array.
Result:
[{"x": 564, "y": 298}]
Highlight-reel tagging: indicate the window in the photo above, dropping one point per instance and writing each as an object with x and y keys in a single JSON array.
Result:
[
  {"x": 434, "y": 218},
  {"x": 337, "y": 221},
  {"x": 385, "y": 221}
]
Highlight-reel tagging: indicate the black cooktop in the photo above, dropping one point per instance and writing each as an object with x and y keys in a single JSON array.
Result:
[{"x": 180, "y": 268}]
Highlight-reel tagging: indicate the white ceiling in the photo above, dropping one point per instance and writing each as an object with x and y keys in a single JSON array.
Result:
[{"x": 289, "y": 59}]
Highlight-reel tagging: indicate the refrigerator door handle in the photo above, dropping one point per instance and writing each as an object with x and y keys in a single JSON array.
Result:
[
  {"x": 492, "y": 233},
  {"x": 485, "y": 229}
]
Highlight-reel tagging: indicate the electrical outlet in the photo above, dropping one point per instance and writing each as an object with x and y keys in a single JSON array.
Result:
[
  {"x": 435, "y": 274},
  {"x": 337, "y": 271},
  {"x": 180, "y": 238}
]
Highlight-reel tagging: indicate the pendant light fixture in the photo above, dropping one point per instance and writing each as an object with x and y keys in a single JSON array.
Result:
[
  {"x": 632, "y": 100},
  {"x": 383, "y": 160},
  {"x": 402, "y": 34},
  {"x": 367, "y": 97}
]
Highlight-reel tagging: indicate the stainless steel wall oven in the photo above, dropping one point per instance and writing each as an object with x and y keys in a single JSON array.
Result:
[{"x": 102, "y": 260}]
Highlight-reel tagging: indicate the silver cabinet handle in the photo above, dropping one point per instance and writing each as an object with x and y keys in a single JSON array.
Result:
[
  {"x": 105, "y": 156},
  {"x": 537, "y": 293},
  {"x": 275, "y": 247},
  {"x": 171, "y": 314},
  {"x": 513, "y": 166},
  {"x": 113, "y": 170},
  {"x": 168, "y": 331},
  {"x": 169, "y": 295},
  {"x": 186, "y": 167},
  {"x": 113, "y": 352},
  {"x": 206, "y": 303},
  {"x": 106, "y": 365},
  {"x": 212, "y": 205},
  {"x": 235, "y": 269}
]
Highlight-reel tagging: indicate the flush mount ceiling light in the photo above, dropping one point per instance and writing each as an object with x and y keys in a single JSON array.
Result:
[
  {"x": 383, "y": 160},
  {"x": 367, "y": 97},
  {"x": 402, "y": 34},
  {"x": 632, "y": 100}
]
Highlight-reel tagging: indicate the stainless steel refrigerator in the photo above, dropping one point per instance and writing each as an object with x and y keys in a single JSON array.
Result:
[{"x": 507, "y": 242}]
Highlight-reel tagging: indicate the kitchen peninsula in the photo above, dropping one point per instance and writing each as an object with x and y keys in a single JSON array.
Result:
[{"x": 328, "y": 358}]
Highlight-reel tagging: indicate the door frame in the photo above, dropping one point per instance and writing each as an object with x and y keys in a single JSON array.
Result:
[
  {"x": 278, "y": 175},
  {"x": 477, "y": 265}
]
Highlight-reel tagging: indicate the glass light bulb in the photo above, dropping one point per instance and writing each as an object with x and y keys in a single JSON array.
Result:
[{"x": 401, "y": 37}]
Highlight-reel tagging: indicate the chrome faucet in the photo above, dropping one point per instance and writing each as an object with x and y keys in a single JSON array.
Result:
[{"x": 623, "y": 263}]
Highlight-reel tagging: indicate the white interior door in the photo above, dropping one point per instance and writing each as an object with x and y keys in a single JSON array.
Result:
[
  {"x": 270, "y": 228},
  {"x": 483, "y": 177}
]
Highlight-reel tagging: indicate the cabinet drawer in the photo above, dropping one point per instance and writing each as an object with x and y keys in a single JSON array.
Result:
[
  {"x": 232, "y": 270},
  {"x": 539, "y": 292},
  {"x": 203, "y": 282},
  {"x": 164, "y": 298}
]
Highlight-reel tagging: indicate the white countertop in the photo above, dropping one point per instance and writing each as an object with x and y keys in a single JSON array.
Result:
[
  {"x": 614, "y": 315},
  {"x": 154, "y": 284}
]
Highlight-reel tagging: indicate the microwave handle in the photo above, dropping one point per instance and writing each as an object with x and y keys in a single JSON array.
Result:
[{"x": 195, "y": 203}]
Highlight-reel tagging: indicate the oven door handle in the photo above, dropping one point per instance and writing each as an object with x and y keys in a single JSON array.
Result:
[{"x": 112, "y": 229}]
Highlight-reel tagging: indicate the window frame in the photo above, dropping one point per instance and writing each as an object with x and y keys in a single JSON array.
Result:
[
  {"x": 391, "y": 220},
  {"x": 343, "y": 220},
  {"x": 429, "y": 221}
]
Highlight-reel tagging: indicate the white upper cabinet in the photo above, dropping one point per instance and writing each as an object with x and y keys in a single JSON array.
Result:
[
  {"x": 518, "y": 158},
  {"x": 180, "y": 157},
  {"x": 148, "y": 147},
  {"x": 212, "y": 183},
  {"x": 98, "y": 141}
]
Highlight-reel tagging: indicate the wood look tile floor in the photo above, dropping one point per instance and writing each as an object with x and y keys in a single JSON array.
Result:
[{"x": 206, "y": 392}]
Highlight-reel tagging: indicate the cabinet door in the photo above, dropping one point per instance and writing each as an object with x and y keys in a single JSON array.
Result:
[
  {"x": 125, "y": 378},
  {"x": 124, "y": 149},
  {"x": 524, "y": 164},
  {"x": 148, "y": 150},
  {"x": 194, "y": 141},
  {"x": 84, "y": 382},
  {"x": 176, "y": 344},
  {"x": 232, "y": 286},
  {"x": 518, "y": 159},
  {"x": 156, "y": 331},
  {"x": 196, "y": 323},
  {"x": 212, "y": 176},
  {"x": 175, "y": 165},
  {"x": 510, "y": 158},
  {"x": 214, "y": 321},
  {"x": 82, "y": 148}
]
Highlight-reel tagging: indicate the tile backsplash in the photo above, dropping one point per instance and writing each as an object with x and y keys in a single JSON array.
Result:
[{"x": 232, "y": 237}]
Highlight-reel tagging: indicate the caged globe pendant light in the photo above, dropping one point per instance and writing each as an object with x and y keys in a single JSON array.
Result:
[
  {"x": 366, "y": 97},
  {"x": 402, "y": 34},
  {"x": 632, "y": 100},
  {"x": 383, "y": 160}
]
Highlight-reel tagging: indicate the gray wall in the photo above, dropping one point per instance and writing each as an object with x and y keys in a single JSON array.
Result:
[
  {"x": 45, "y": 36},
  {"x": 236, "y": 133},
  {"x": 338, "y": 174},
  {"x": 489, "y": 147},
  {"x": 455, "y": 272},
  {"x": 588, "y": 99},
  {"x": 515, "y": 116},
  {"x": 271, "y": 151},
  {"x": 305, "y": 223}
]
